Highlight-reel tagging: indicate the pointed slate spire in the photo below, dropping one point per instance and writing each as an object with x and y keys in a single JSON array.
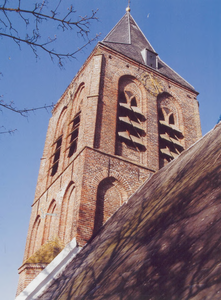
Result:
[
  {"x": 128, "y": 39},
  {"x": 127, "y": 32},
  {"x": 120, "y": 34}
]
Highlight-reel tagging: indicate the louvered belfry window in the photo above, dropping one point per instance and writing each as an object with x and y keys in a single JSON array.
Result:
[
  {"x": 57, "y": 144},
  {"x": 56, "y": 155},
  {"x": 74, "y": 134},
  {"x": 169, "y": 136},
  {"x": 129, "y": 126}
]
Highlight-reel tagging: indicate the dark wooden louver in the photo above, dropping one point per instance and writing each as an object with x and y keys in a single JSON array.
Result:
[
  {"x": 169, "y": 140},
  {"x": 130, "y": 129},
  {"x": 74, "y": 134}
]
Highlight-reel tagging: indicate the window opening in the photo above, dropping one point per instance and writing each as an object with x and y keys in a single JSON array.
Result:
[
  {"x": 169, "y": 137},
  {"x": 56, "y": 155},
  {"x": 160, "y": 115},
  {"x": 122, "y": 97},
  {"x": 133, "y": 102},
  {"x": 74, "y": 134},
  {"x": 171, "y": 119},
  {"x": 129, "y": 126}
]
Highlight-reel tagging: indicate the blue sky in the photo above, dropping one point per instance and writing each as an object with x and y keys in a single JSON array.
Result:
[{"x": 185, "y": 34}]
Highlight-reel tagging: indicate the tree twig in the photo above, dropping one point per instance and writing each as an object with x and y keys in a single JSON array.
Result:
[
  {"x": 23, "y": 112},
  {"x": 39, "y": 14}
]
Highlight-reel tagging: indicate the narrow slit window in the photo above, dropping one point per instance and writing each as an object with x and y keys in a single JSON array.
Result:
[
  {"x": 133, "y": 102},
  {"x": 171, "y": 119},
  {"x": 56, "y": 156},
  {"x": 74, "y": 134}
]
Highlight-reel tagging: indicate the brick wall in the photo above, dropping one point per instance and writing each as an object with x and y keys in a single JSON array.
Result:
[{"x": 27, "y": 273}]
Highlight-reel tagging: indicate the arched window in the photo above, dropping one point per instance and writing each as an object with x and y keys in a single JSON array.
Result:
[
  {"x": 56, "y": 155},
  {"x": 56, "y": 146},
  {"x": 34, "y": 236},
  {"x": 48, "y": 225},
  {"x": 74, "y": 134},
  {"x": 170, "y": 135},
  {"x": 110, "y": 196},
  {"x": 130, "y": 118},
  {"x": 74, "y": 125},
  {"x": 171, "y": 119}
]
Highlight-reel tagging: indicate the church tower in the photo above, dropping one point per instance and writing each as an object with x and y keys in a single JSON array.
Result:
[{"x": 125, "y": 115}]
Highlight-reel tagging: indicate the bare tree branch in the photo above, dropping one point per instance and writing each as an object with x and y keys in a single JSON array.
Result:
[
  {"x": 29, "y": 26},
  {"x": 23, "y": 112},
  {"x": 11, "y": 131},
  {"x": 31, "y": 42},
  {"x": 33, "y": 18},
  {"x": 82, "y": 24}
]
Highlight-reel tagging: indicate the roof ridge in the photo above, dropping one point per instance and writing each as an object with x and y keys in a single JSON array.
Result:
[
  {"x": 128, "y": 14},
  {"x": 112, "y": 30},
  {"x": 143, "y": 34}
]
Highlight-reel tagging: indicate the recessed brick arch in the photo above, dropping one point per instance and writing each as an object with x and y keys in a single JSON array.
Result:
[
  {"x": 60, "y": 123},
  {"x": 131, "y": 121},
  {"x": 87, "y": 209},
  {"x": 110, "y": 196},
  {"x": 49, "y": 222},
  {"x": 75, "y": 123},
  {"x": 65, "y": 222},
  {"x": 112, "y": 173},
  {"x": 123, "y": 78},
  {"x": 57, "y": 144},
  {"x": 168, "y": 100},
  {"x": 33, "y": 237},
  {"x": 122, "y": 180},
  {"x": 121, "y": 72},
  {"x": 77, "y": 98},
  {"x": 170, "y": 128},
  {"x": 129, "y": 86}
]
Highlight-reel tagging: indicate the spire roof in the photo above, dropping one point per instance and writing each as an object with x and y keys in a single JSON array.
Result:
[
  {"x": 125, "y": 33},
  {"x": 128, "y": 39}
]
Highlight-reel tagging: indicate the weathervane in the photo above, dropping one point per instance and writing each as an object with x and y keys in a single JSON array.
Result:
[{"x": 128, "y": 7}]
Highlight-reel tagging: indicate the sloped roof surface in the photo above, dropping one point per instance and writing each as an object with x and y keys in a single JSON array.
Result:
[
  {"x": 127, "y": 38},
  {"x": 165, "y": 243}
]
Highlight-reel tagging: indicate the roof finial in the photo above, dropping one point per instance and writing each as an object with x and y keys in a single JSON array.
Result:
[{"x": 128, "y": 7}]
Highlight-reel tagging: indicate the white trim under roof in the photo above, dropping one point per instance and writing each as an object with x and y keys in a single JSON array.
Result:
[{"x": 52, "y": 271}]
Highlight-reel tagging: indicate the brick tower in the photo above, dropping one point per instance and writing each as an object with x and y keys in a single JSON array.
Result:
[{"x": 125, "y": 115}]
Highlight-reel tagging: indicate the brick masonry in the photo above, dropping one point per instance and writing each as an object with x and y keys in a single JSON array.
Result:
[{"x": 90, "y": 185}]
